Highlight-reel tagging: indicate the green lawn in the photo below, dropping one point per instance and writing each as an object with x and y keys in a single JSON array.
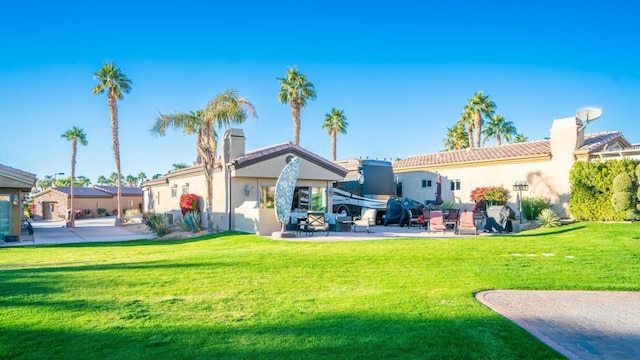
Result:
[{"x": 244, "y": 296}]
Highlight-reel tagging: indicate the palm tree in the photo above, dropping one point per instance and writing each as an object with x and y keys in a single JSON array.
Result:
[
  {"x": 481, "y": 106},
  {"x": 456, "y": 137},
  {"x": 295, "y": 90},
  {"x": 223, "y": 110},
  {"x": 142, "y": 177},
  {"x": 520, "y": 138},
  {"x": 499, "y": 128},
  {"x": 466, "y": 121},
  {"x": 101, "y": 180},
  {"x": 115, "y": 83},
  {"x": 83, "y": 181},
  {"x": 131, "y": 180},
  {"x": 75, "y": 135},
  {"x": 113, "y": 179},
  {"x": 335, "y": 122},
  {"x": 179, "y": 166},
  {"x": 190, "y": 123}
]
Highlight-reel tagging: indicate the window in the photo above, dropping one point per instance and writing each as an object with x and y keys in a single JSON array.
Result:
[
  {"x": 455, "y": 184},
  {"x": 185, "y": 189},
  {"x": 309, "y": 198},
  {"x": 158, "y": 197},
  {"x": 174, "y": 192},
  {"x": 399, "y": 189},
  {"x": 426, "y": 183}
]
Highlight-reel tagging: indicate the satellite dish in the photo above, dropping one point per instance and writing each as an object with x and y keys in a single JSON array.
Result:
[{"x": 588, "y": 114}]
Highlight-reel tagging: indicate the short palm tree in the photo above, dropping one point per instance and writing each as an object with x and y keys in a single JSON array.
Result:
[
  {"x": 101, "y": 180},
  {"x": 131, "y": 180},
  {"x": 520, "y": 138},
  {"x": 142, "y": 177},
  {"x": 480, "y": 106},
  {"x": 295, "y": 90},
  {"x": 335, "y": 122},
  {"x": 115, "y": 83},
  {"x": 223, "y": 110},
  {"x": 75, "y": 135},
  {"x": 499, "y": 128}
]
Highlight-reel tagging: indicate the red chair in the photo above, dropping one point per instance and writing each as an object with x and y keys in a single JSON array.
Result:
[{"x": 436, "y": 221}]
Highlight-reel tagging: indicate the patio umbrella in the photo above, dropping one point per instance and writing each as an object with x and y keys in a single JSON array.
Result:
[{"x": 438, "y": 190}]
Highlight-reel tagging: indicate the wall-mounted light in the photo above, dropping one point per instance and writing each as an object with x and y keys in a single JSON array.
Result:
[
  {"x": 247, "y": 190},
  {"x": 14, "y": 200}
]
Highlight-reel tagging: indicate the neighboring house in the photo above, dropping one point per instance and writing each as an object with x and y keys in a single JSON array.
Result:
[
  {"x": 244, "y": 185},
  {"x": 13, "y": 184},
  {"x": 55, "y": 203},
  {"x": 544, "y": 165}
]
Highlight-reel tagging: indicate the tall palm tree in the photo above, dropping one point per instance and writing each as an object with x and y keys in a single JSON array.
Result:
[
  {"x": 115, "y": 83},
  {"x": 335, "y": 122},
  {"x": 466, "y": 121},
  {"x": 223, "y": 110},
  {"x": 295, "y": 90},
  {"x": 499, "y": 128},
  {"x": 189, "y": 122},
  {"x": 101, "y": 180},
  {"x": 75, "y": 135},
  {"x": 481, "y": 106},
  {"x": 456, "y": 138}
]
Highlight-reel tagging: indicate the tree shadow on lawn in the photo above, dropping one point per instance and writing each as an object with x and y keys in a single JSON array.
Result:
[
  {"x": 155, "y": 242},
  {"x": 299, "y": 336},
  {"x": 551, "y": 231}
]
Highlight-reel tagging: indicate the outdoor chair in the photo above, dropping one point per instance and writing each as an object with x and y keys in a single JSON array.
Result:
[
  {"x": 451, "y": 220},
  {"x": 425, "y": 216},
  {"x": 367, "y": 219},
  {"x": 436, "y": 221},
  {"x": 467, "y": 223},
  {"x": 316, "y": 221}
]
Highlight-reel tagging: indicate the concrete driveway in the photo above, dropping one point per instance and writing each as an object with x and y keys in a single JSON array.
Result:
[{"x": 86, "y": 230}]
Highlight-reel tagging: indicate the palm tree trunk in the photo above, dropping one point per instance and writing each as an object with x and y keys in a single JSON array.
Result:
[
  {"x": 470, "y": 135},
  {"x": 113, "y": 108},
  {"x": 295, "y": 114},
  {"x": 477, "y": 124},
  {"x": 498, "y": 139},
  {"x": 72, "y": 214},
  {"x": 333, "y": 145}
]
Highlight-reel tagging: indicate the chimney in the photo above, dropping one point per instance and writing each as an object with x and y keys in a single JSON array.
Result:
[
  {"x": 567, "y": 135},
  {"x": 233, "y": 143}
]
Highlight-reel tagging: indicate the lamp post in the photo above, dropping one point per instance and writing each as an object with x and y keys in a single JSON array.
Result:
[{"x": 520, "y": 186}]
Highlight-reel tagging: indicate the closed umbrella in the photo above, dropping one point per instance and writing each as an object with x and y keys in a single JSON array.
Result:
[{"x": 438, "y": 190}]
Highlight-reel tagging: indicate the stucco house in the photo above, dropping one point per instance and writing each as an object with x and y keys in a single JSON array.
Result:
[
  {"x": 55, "y": 203},
  {"x": 544, "y": 165},
  {"x": 13, "y": 184},
  {"x": 244, "y": 185}
]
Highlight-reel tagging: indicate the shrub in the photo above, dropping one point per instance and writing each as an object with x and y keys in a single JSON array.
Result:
[
  {"x": 532, "y": 206},
  {"x": 159, "y": 224},
  {"x": 548, "y": 218},
  {"x": 188, "y": 202},
  {"x": 446, "y": 205},
  {"x": 622, "y": 201},
  {"x": 623, "y": 182},
  {"x": 130, "y": 214},
  {"x": 483, "y": 196},
  {"x": 102, "y": 212},
  {"x": 190, "y": 221}
]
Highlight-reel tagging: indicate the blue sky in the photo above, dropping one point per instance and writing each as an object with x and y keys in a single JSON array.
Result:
[{"x": 401, "y": 71}]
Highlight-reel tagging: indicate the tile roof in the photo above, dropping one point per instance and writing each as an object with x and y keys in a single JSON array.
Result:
[
  {"x": 592, "y": 142},
  {"x": 259, "y": 155}
]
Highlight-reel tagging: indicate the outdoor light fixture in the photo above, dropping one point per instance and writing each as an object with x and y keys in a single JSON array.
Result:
[
  {"x": 247, "y": 190},
  {"x": 520, "y": 186},
  {"x": 14, "y": 200}
]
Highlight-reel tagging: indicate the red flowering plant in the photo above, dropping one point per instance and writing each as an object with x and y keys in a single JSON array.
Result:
[
  {"x": 189, "y": 202},
  {"x": 483, "y": 196}
]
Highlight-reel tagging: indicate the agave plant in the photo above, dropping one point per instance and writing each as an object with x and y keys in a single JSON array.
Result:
[
  {"x": 190, "y": 221},
  {"x": 159, "y": 224},
  {"x": 548, "y": 218}
]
